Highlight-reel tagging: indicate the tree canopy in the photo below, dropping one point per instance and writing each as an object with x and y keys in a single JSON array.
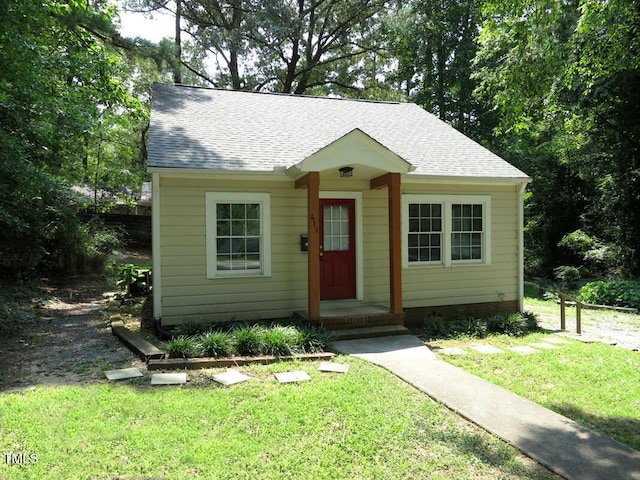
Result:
[{"x": 550, "y": 85}]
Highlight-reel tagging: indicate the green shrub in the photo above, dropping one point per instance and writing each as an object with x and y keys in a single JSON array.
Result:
[
  {"x": 567, "y": 274},
  {"x": 469, "y": 327},
  {"x": 181, "y": 347},
  {"x": 216, "y": 344},
  {"x": 621, "y": 293},
  {"x": 514, "y": 324},
  {"x": 281, "y": 340},
  {"x": 249, "y": 341},
  {"x": 191, "y": 328},
  {"x": 434, "y": 327},
  {"x": 314, "y": 339}
]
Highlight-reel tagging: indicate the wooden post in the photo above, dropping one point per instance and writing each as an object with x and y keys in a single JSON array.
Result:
[
  {"x": 563, "y": 319},
  {"x": 392, "y": 182},
  {"x": 578, "y": 318},
  {"x": 311, "y": 181}
]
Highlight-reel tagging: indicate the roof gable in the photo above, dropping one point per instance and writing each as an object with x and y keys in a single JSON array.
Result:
[
  {"x": 224, "y": 130},
  {"x": 354, "y": 148}
]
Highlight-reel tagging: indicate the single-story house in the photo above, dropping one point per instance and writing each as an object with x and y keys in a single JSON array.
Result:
[{"x": 344, "y": 211}]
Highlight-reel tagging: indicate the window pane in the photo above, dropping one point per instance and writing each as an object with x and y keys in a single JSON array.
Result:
[
  {"x": 223, "y": 228},
  {"x": 253, "y": 245},
  {"x": 414, "y": 225},
  {"x": 253, "y": 211},
  {"x": 238, "y": 245},
  {"x": 414, "y": 210},
  {"x": 238, "y": 211},
  {"x": 224, "y": 262},
  {"x": 223, "y": 245},
  {"x": 223, "y": 211},
  {"x": 413, "y": 240},
  {"x": 238, "y": 228},
  {"x": 253, "y": 227}
]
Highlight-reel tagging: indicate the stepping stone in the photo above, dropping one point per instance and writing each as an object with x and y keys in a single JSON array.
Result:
[
  {"x": 168, "y": 378},
  {"x": 289, "y": 377},
  {"x": 230, "y": 377},
  {"x": 524, "y": 350},
  {"x": 486, "y": 349},
  {"x": 123, "y": 373},
  {"x": 557, "y": 341},
  {"x": 453, "y": 351},
  {"x": 23, "y": 388},
  {"x": 544, "y": 346},
  {"x": 334, "y": 367}
]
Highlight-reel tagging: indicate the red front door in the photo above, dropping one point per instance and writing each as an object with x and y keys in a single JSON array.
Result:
[{"x": 337, "y": 249}]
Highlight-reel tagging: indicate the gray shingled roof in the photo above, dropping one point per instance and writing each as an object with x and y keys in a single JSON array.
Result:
[{"x": 200, "y": 128}]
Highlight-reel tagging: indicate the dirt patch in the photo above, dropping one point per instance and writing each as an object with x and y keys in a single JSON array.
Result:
[{"x": 69, "y": 342}]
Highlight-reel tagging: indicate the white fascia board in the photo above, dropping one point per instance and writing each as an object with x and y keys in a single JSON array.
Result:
[
  {"x": 442, "y": 179},
  {"x": 278, "y": 174}
]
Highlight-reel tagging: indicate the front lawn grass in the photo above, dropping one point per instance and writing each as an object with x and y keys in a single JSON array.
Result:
[
  {"x": 592, "y": 383},
  {"x": 365, "y": 424}
]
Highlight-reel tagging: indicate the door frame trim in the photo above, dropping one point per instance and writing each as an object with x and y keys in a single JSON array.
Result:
[{"x": 357, "y": 197}]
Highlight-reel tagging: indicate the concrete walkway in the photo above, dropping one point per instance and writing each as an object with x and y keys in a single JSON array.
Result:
[{"x": 560, "y": 444}]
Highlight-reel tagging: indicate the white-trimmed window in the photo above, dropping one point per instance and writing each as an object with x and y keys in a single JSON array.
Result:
[
  {"x": 238, "y": 234},
  {"x": 446, "y": 230}
]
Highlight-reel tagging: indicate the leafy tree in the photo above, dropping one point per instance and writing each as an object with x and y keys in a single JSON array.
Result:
[
  {"x": 59, "y": 77},
  {"x": 562, "y": 75},
  {"x": 277, "y": 45},
  {"x": 435, "y": 43}
]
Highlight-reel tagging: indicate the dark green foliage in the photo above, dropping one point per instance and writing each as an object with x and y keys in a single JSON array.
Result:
[
  {"x": 216, "y": 344},
  {"x": 133, "y": 279},
  {"x": 514, "y": 324},
  {"x": 435, "y": 327},
  {"x": 192, "y": 328},
  {"x": 62, "y": 99},
  {"x": 249, "y": 341},
  {"x": 182, "y": 347},
  {"x": 314, "y": 339},
  {"x": 621, "y": 293},
  {"x": 281, "y": 340},
  {"x": 226, "y": 339},
  {"x": 468, "y": 326}
]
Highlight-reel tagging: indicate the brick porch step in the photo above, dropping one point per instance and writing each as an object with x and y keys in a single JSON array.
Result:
[{"x": 368, "y": 332}]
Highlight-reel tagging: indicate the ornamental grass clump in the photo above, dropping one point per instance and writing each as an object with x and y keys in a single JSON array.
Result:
[
  {"x": 281, "y": 341},
  {"x": 249, "y": 341},
  {"x": 314, "y": 339},
  {"x": 216, "y": 344},
  {"x": 182, "y": 347}
]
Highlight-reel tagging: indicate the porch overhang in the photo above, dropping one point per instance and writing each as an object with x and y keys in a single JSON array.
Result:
[{"x": 355, "y": 149}]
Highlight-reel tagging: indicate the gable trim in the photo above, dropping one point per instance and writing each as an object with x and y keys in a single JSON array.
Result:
[{"x": 355, "y": 147}]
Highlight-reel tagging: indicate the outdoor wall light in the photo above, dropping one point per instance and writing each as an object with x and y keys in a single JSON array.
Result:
[{"x": 346, "y": 172}]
